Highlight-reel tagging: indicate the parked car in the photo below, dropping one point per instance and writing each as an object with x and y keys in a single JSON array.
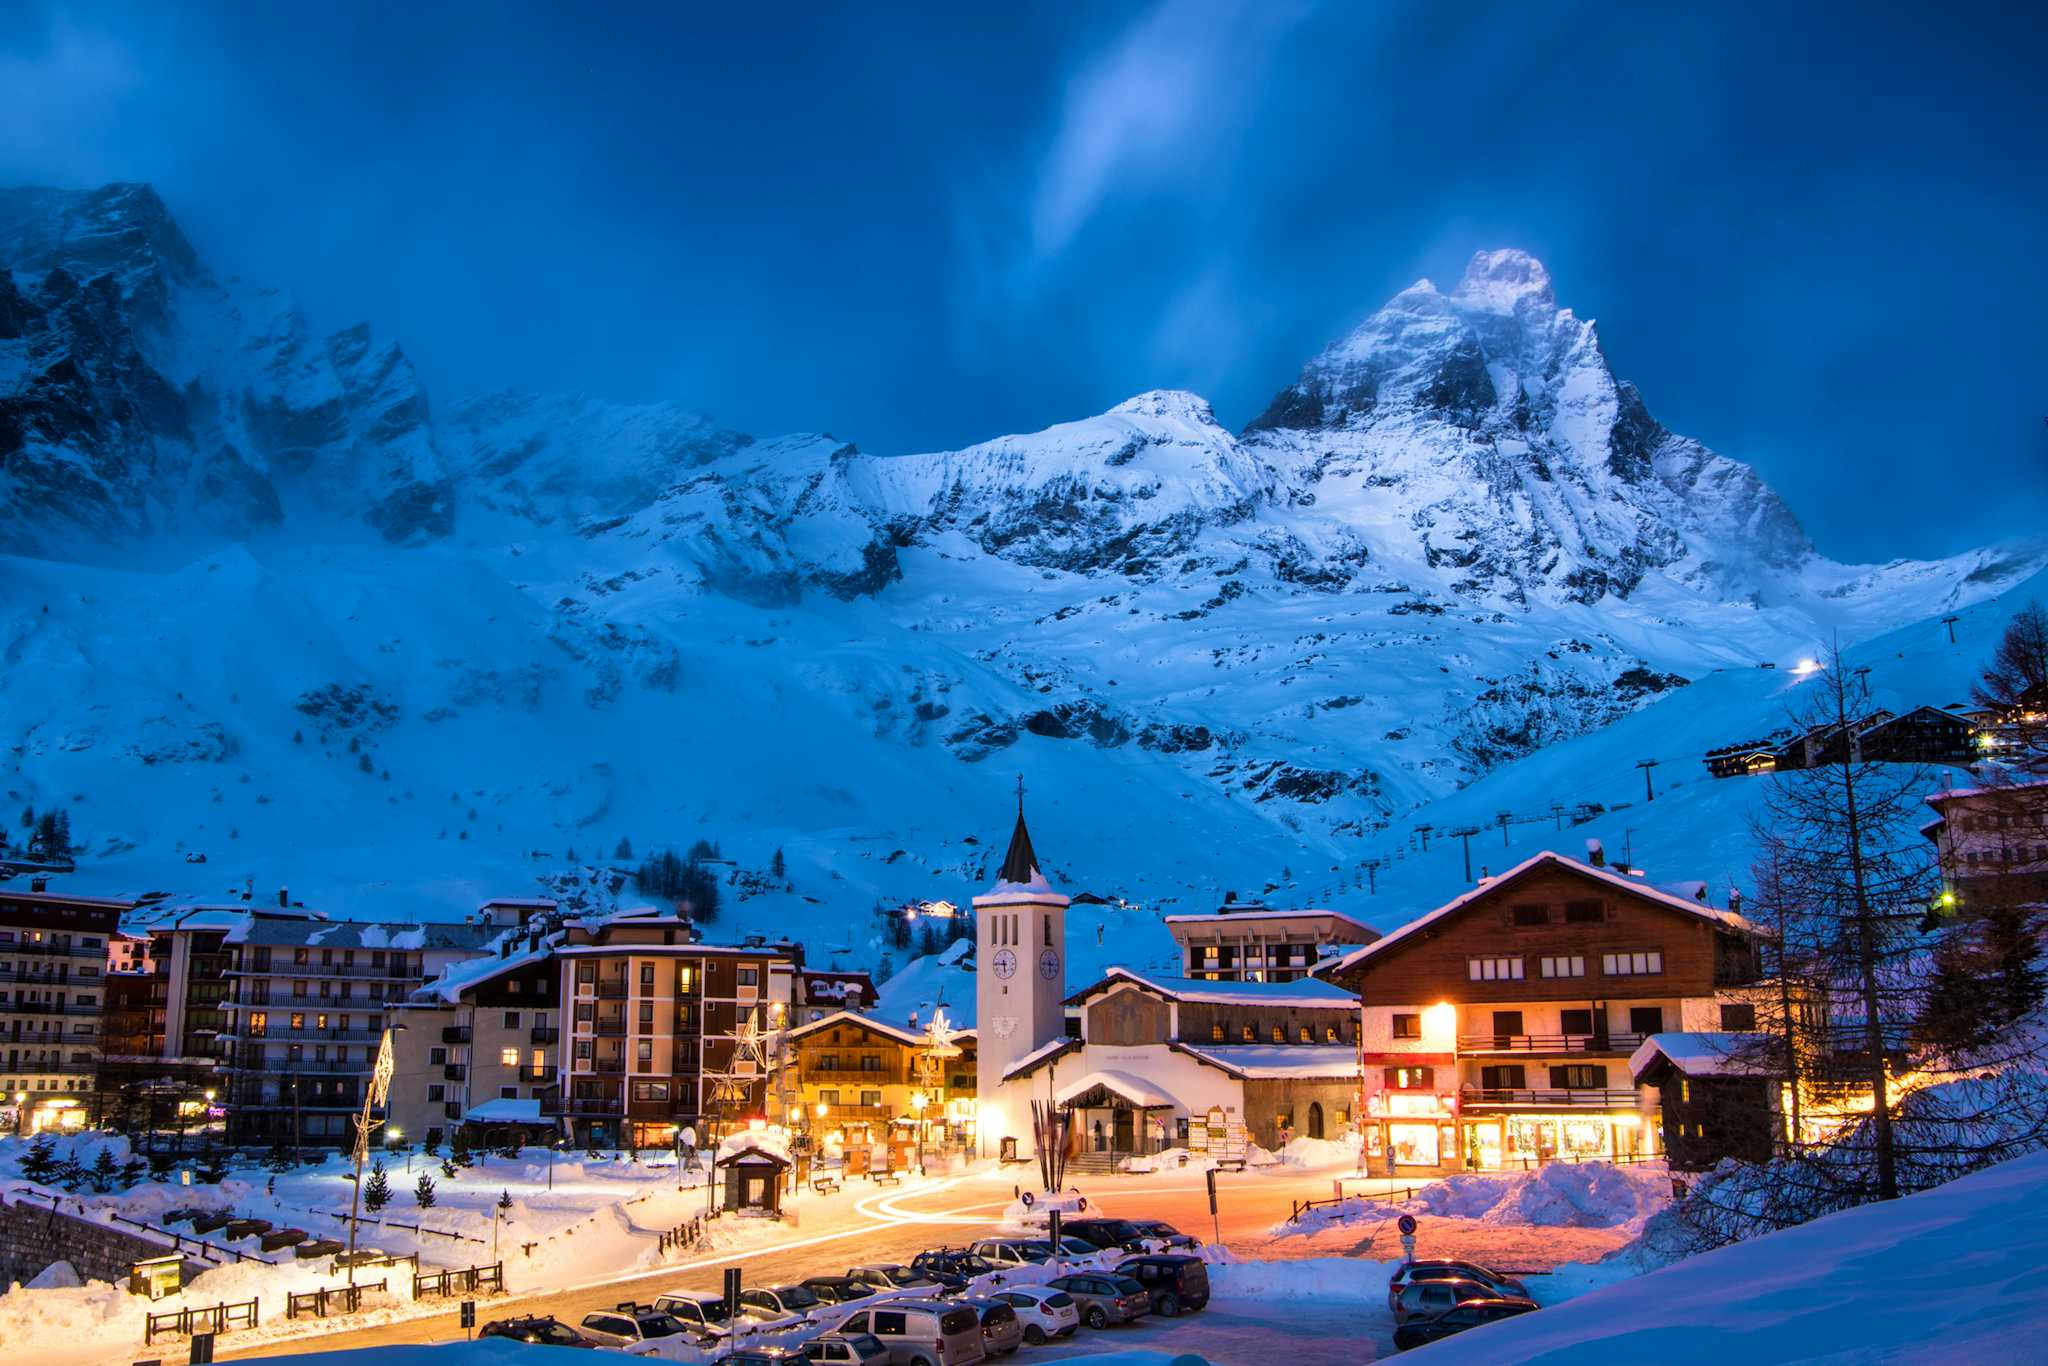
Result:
[
  {"x": 1106, "y": 1297},
  {"x": 952, "y": 1261},
  {"x": 1045, "y": 1312},
  {"x": 779, "y": 1302},
  {"x": 1169, "y": 1237},
  {"x": 838, "y": 1289},
  {"x": 1070, "y": 1248},
  {"x": 630, "y": 1325},
  {"x": 1107, "y": 1233},
  {"x": 847, "y": 1349},
  {"x": 1176, "y": 1282},
  {"x": 890, "y": 1276},
  {"x": 1470, "y": 1314},
  {"x": 1002, "y": 1332},
  {"x": 1004, "y": 1253},
  {"x": 1427, "y": 1299},
  {"x": 919, "y": 1332},
  {"x": 1450, "y": 1269},
  {"x": 705, "y": 1315},
  {"x": 545, "y": 1332}
]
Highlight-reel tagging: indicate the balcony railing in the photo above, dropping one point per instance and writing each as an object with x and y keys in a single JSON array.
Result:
[
  {"x": 45, "y": 1008},
  {"x": 535, "y": 1073},
  {"x": 455, "y": 1034},
  {"x": 355, "y": 971},
  {"x": 591, "y": 1105},
  {"x": 1549, "y": 1043},
  {"x": 290, "y": 1035},
  {"x": 454, "y": 1071},
  {"x": 546, "y": 1034},
  {"x": 609, "y": 990},
  {"x": 611, "y": 1029},
  {"x": 1588, "y": 1098}
]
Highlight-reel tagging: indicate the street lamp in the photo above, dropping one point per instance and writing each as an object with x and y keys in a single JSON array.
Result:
[
  {"x": 918, "y": 1100},
  {"x": 20, "y": 1114}
]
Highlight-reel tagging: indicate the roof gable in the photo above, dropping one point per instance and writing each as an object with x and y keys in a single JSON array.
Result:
[{"x": 1548, "y": 859}]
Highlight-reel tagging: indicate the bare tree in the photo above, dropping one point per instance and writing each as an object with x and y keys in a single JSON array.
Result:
[{"x": 2015, "y": 686}]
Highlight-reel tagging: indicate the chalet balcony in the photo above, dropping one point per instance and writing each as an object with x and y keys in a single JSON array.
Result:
[
  {"x": 611, "y": 990},
  {"x": 1623, "y": 1044},
  {"x": 611, "y": 1029},
  {"x": 531, "y": 1074},
  {"x": 546, "y": 1034},
  {"x": 591, "y": 1105},
  {"x": 455, "y": 1071},
  {"x": 1587, "y": 1098},
  {"x": 455, "y": 1034}
]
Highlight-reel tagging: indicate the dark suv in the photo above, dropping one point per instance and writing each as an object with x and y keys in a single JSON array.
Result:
[
  {"x": 1177, "y": 1284},
  {"x": 1107, "y": 1233},
  {"x": 1470, "y": 1314},
  {"x": 545, "y": 1331},
  {"x": 948, "y": 1265}
]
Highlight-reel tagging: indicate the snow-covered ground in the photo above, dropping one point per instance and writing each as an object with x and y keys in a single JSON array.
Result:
[
  {"x": 1561, "y": 1195},
  {"x": 1951, "y": 1274}
]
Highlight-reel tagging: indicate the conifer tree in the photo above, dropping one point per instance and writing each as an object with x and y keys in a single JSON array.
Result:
[
  {"x": 41, "y": 1161},
  {"x": 505, "y": 1200},
  {"x": 460, "y": 1153},
  {"x": 376, "y": 1190},
  {"x": 777, "y": 868},
  {"x": 104, "y": 1170},
  {"x": 423, "y": 1191}
]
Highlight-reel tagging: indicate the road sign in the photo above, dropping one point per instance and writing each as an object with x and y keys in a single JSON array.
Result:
[
  {"x": 468, "y": 1314},
  {"x": 732, "y": 1290},
  {"x": 202, "y": 1349},
  {"x": 1406, "y": 1223},
  {"x": 1052, "y": 1231},
  {"x": 1028, "y": 1199},
  {"x": 1210, "y": 1177}
]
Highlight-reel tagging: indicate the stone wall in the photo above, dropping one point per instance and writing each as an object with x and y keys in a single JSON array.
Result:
[{"x": 32, "y": 1237}]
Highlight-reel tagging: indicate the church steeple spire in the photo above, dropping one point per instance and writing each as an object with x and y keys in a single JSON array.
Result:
[{"x": 1020, "y": 865}]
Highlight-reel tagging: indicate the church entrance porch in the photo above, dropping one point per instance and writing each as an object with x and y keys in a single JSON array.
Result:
[{"x": 1116, "y": 1116}]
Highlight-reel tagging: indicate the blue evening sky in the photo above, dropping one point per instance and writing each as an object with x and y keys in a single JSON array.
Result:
[{"x": 1814, "y": 236}]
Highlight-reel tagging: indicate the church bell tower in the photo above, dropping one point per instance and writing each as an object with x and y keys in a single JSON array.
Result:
[{"x": 1020, "y": 970}]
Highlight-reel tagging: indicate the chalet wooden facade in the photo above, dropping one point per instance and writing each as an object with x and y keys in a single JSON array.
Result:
[
  {"x": 1719, "y": 1095},
  {"x": 1497, "y": 1027},
  {"x": 859, "y": 1081},
  {"x": 1924, "y": 735}
]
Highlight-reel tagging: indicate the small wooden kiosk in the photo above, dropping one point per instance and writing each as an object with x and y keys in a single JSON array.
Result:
[{"x": 753, "y": 1181}]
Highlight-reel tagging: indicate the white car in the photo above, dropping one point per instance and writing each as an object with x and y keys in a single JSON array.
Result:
[
  {"x": 703, "y": 1315},
  {"x": 1046, "y": 1313}
]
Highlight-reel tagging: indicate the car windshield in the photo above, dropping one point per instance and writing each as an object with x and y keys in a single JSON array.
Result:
[
  {"x": 796, "y": 1297},
  {"x": 1126, "y": 1286},
  {"x": 972, "y": 1264},
  {"x": 659, "y": 1326},
  {"x": 1075, "y": 1247},
  {"x": 1058, "y": 1299},
  {"x": 866, "y": 1344},
  {"x": 558, "y": 1334}
]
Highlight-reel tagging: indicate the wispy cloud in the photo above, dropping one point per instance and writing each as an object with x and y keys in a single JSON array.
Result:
[{"x": 58, "y": 95}]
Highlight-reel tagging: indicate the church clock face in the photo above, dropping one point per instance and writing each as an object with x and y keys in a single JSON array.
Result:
[
  {"x": 1048, "y": 965},
  {"x": 1005, "y": 964}
]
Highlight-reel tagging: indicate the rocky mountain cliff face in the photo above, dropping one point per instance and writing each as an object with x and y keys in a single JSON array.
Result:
[{"x": 1455, "y": 539}]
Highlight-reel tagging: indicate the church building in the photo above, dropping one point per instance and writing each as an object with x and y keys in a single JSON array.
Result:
[{"x": 1156, "y": 1056}]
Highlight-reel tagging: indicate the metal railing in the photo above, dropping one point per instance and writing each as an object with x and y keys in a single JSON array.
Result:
[
  {"x": 1549, "y": 1043},
  {"x": 545, "y": 1034}
]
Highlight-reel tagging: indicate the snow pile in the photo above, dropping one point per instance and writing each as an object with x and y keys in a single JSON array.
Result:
[
  {"x": 1310, "y": 1278},
  {"x": 1561, "y": 1195},
  {"x": 1321, "y": 1152},
  {"x": 1019, "y": 1215},
  {"x": 1937, "y": 1276},
  {"x": 55, "y": 1276}
]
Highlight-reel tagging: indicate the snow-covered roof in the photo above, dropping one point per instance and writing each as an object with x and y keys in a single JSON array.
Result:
[
  {"x": 851, "y": 1017},
  {"x": 1019, "y": 876},
  {"x": 504, "y": 1110},
  {"x": 1270, "y": 1060},
  {"x": 279, "y": 929},
  {"x": 1226, "y": 916},
  {"x": 1133, "y": 1089},
  {"x": 1303, "y": 993},
  {"x": 1550, "y": 858},
  {"x": 460, "y": 976},
  {"x": 1037, "y": 1056},
  {"x": 1707, "y": 1054},
  {"x": 1939, "y": 799}
]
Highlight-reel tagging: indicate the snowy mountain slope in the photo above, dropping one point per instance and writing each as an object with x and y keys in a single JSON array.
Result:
[{"x": 1455, "y": 545}]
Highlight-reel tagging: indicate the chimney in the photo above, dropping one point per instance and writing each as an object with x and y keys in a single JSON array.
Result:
[
  {"x": 39, "y": 884},
  {"x": 284, "y": 896},
  {"x": 1596, "y": 854},
  {"x": 1735, "y": 900}
]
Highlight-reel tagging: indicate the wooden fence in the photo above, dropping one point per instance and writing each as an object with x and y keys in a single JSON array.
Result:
[
  {"x": 217, "y": 1318},
  {"x": 682, "y": 1235},
  {"x": 321, "y": 1303},
  {"x": 462, "y": 1282}
]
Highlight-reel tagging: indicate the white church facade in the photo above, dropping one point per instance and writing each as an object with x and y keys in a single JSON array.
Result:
[{"x": 1155, "y": 1056}]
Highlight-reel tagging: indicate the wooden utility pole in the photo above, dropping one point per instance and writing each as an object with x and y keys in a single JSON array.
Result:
[
  {"x": 1950, "y": 622},
  {"x": 1423, "y": 831},
  {"x": 1649, "y": 790},
  {"x": 1503, "y": 817},
  {"x": 1372, "y": 881}
]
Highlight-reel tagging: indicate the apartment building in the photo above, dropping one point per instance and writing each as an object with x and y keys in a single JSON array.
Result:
[
  {"x": 856, "y": 1077},
  {"x": 305, "y": 1015},
  {"x": 1251, "y": 942},
  {"x": 480, "y": 1050},
  {"x": 1497, "y": 1028},
  {"x": 53, "y": 960},
  {"x": 653, "y": 1020},
  {"x": 1992, "y": 843}
]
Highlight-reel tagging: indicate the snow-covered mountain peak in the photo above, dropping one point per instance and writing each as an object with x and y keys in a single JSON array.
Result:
[{"x": 1505, "y": 281}]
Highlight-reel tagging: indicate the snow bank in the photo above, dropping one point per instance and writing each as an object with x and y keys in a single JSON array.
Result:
[
  {"x": 1562, "y": 1195},
  {"x": 1937, "y": 1276},
  {"x": 1309, "y": 1278},
  {"x": 55, "y": 1276}
]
